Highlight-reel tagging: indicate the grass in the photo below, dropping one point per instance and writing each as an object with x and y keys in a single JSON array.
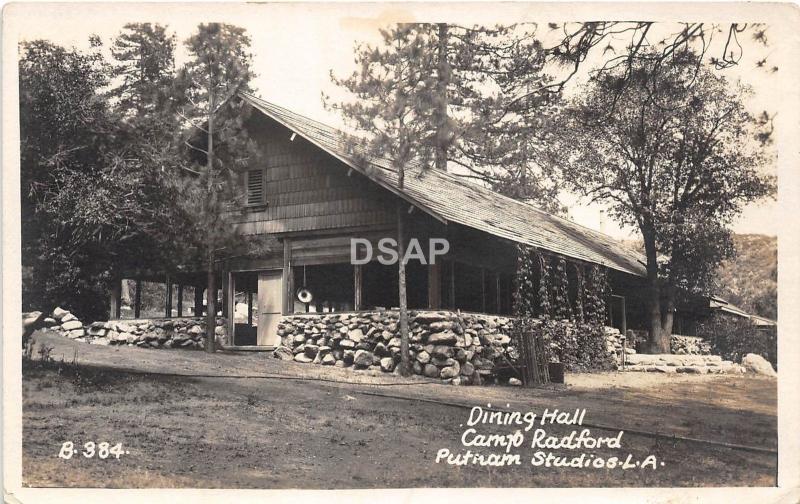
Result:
[{"x": 261, "y": 433}]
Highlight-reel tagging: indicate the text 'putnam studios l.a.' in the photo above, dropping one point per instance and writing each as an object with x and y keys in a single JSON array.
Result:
[{"x": 550, "y": 438}]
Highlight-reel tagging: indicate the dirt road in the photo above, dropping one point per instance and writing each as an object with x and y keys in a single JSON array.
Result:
[{"x": 288, "y": 425}]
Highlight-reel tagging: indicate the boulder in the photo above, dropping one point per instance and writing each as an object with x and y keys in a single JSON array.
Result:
[
  {"x": 757, "y": 364},
  {"x": 514, "y": 382},
  {"x": 430, "y": 317},
  {"x": 72, "y": 325},
  {"x": 430, "y": 371},
  {"x": 387, "y": 364},
  {"x": 68, "y": 318},
  {"x": 76, "y": 333},
  {"x": 443, "y": 325},
  {"x": 363, "y": 359},
  {"x": 395, "y": 343},
  {"x": 356, "y": 335},
  {"x": 283, "y": 353},
  {"x": 59, "y": 313},
  {"x": 442, "y": 338},
  {"x": 423, "y": 357},
  {"x": 467, "y": 369},
  {"x": 328, "y": 360},
  {"x": 451, "y": 371},
  {"x": 301, "y": 357},
  {"x": 30, "y": 318},
  {"x": 346, "y": 343},
  {"x": 443, "y": 351},
  {"x": 381, "y": 350},
  {"x": 311, "y": 350}
]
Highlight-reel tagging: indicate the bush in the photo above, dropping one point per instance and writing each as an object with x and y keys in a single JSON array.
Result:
[
  {"x": 580, "y": 347},
  {"x": 733, "y": 338}
]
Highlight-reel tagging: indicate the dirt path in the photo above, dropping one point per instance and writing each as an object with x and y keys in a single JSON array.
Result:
[{"x": 291, "y": 430}]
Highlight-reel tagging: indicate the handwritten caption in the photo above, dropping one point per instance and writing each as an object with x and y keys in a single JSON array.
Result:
[{"x": 484, "y": 445}]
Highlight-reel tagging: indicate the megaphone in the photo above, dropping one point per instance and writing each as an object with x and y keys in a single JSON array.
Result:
[{"x": 304, "y": 295}]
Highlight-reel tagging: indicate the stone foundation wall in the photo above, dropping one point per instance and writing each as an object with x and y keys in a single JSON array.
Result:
[
  {"x": 458, "y": 348},
  {"x": 689, "y": 345},
  {"x": 186, "y": 332}
]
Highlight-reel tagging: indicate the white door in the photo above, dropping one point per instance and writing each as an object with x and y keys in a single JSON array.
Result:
[{"x": 270, "y": 301}]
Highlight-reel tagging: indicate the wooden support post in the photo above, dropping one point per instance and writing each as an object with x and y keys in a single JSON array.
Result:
[
  {"x": 180, "y": 300},
  {"x": 230, "y": 304},
  {"x": 624, "y": 321},
  {"x": 452, "y": 280},
  {"x": 225, "y": 293},
  {"x": 198, "y": 300},
  {"x": 168, "y": 298},
  {"x": 499, "y": 306},
  {"x": 137, "y": 300},
  {"x": 357, "y": 282},
  {"x": 287, "y": 302},
  {"x": 116, "y": 299},
  {"x": 249, "y": 308},
  {"x": 483, "y": 290},
  {"x": 435, "y": 285}
]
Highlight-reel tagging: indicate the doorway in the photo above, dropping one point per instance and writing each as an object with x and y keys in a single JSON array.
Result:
[{"x": 270, "y": 307}]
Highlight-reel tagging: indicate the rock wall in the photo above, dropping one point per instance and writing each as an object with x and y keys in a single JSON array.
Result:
[
  {"x": 455, "y": 347},
  {"x": 458, "y": 348},
  {"x": 689, "y": 345},
  {"x": 185, "y": 332}
]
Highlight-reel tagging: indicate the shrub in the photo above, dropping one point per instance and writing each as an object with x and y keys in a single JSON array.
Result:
[{"x": 733, "y": 338}]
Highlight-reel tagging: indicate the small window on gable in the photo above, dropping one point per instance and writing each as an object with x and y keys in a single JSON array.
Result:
[{"x": 256, "y": 192}]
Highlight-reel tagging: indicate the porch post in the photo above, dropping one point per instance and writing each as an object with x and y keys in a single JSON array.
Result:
[
  {"x": 624, "y": 321},
  {"x": 230, "y": 306},
  {"x": 180, "y": 300},
  {"x": 137, "y": 300},
  {"x": 499, "y": 306},
  {"x": 198, "y": 300},
  {"x": 453, "y": 284},
  {"x": 483, "y": 290},
  {"x": 435, "y": 285},
  {"x": 357, "y": 279},
  {"x": 225, "y": 296},
  {"x": 168, "y": 300},
  {"x": 288, "y": 294},
  {"x": 116, "y": 299},
  {"x": 249, "y": 308}
]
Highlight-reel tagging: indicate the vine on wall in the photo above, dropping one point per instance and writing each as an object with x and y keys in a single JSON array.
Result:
[{"x": 575, "y": 336}]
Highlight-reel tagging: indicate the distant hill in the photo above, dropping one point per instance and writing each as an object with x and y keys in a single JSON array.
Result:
[{"x": 750, "y": 280}]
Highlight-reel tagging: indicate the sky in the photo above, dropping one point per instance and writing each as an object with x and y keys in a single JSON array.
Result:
[{"x": 295, "y": 48}]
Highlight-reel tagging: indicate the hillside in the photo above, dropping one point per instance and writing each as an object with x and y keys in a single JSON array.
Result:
[{"x": 750, "y": 280}]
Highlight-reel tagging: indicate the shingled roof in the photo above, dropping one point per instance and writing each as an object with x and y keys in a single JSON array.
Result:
[{"x": 450, "y": 198}]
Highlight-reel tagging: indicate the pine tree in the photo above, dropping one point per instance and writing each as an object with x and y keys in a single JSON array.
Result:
[
  {"x": 218, "y": 69},
  {"x": 458, "y": 94}
]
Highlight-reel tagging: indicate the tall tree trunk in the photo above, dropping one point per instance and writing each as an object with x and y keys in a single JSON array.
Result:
[
  {"x": 405, "y": 357},
  {"x": 668, "y": 313},
  {"x": 442, "y": 127},
  {"x": 656, "y": 341},
  {"x": 211, "y": 312}
]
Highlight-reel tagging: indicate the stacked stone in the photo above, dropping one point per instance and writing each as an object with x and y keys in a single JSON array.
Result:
[
  {"x": 66, "y": 323},
  {"x": 670, "y": 363},
  {"x": 188, "y": 333},
  {"x": 456, "y": 348},
  {"x": 616, "y": 345},
  {"x": 185, "y": 333},
  {"x": 689, "y": 345}
]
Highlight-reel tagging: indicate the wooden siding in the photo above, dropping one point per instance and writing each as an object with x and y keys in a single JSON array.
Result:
[{"x": 307, "y": 189}]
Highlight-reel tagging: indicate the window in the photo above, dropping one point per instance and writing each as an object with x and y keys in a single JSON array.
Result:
[{"x": 256, "y": 193}]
